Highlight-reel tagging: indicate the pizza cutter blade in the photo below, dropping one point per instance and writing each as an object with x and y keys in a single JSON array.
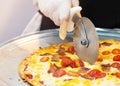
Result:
[{"x": 85, "y": 39}]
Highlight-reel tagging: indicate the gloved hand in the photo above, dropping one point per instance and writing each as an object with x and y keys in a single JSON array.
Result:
[{"x": 60, "y": 11}]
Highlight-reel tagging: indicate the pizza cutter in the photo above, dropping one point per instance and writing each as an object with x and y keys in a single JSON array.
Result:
[{"x": 85, "y": 39}]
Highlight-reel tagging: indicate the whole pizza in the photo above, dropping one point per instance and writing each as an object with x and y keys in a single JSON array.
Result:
[{"x": 58, "y": 65}]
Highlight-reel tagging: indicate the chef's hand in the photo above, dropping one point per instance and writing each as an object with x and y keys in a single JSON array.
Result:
[{"x": 60, "y": 11}]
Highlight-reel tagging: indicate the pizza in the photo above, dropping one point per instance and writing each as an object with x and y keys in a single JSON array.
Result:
[{"x": 58, "y": 65}]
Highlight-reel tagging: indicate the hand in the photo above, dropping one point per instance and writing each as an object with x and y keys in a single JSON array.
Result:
[{"x": 60, "y": 11}]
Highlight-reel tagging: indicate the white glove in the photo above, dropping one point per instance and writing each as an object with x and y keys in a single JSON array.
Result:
[{"x": 60, "y": 12}]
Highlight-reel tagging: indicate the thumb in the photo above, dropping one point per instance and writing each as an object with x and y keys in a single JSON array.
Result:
[
  {"x": 63, "y": 30},
  {"x": 68, "y": 25}
]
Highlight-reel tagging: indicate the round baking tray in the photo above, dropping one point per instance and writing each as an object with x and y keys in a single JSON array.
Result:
[{"x": 15, "y": 50}]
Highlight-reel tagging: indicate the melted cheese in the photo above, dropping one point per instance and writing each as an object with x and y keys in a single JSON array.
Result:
[{"x": 40, "y": 69}]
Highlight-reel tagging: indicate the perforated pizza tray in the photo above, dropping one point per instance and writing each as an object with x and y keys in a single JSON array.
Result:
[{"x": 15, "y": 50}]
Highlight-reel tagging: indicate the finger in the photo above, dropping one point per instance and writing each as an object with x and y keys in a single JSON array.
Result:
[
  {"x": 63, "y": 30},
  {"x": 74, "y": 10},
  {"x": 70, "y": 25},
  {"x": 64, "y": 17}
]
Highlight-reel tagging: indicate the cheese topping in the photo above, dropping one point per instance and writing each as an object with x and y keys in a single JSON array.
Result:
[{"x": 58, "y": 65}]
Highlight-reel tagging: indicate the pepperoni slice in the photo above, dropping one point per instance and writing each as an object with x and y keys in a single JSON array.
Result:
[
  {"x": 106, "y": 52},
  {"x": 96, "y": 74},
  {"x": 73, "y": 64},
  {"x": 116, "y": 58},
  {"x": 71, "y": 50},
  {"x": 117, "y": 75},
  {"x": 76, "y": 63},
  {"x": 115, "y": 65},
  {"x": 30, "y": 76},
  {"x": 59, "y": 73},
  {"x": 66, "y": 61},
  {"x": 116, "y": 51},
  {"x": 79, "y": 63},
  {"x": 99, "y": 59}
]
